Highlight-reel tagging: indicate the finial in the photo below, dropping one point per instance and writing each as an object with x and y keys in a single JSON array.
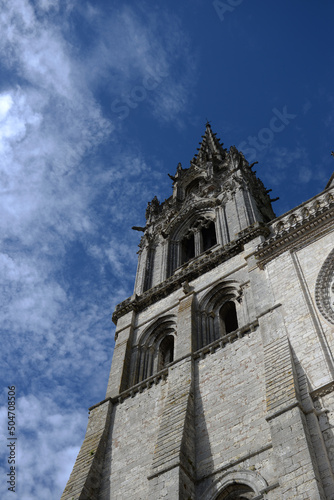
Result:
[
  {"x": 332, "y": 153},
  {"x": 207, "y": 123},
  {"x": 254, "y": 163},
  {"x": 186, "y": 287}
]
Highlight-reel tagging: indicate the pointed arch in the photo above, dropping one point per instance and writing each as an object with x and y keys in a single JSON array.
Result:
[
  {"x": 237, "y": 484},
  {"x": 155, "y": 348},
  {"x": 237, "y": 492},
  {"x": 192, "y": 235},
  {"x": 217, "y": 313}
]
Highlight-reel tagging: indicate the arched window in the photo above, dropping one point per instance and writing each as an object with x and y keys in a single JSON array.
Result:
[
  {"x": 190, "y": 238},
  {"x": 217, "y": 313},
  {"x": 234, "y": 485},
  {"x": 149, "y": 269},
  {"x": 154, "y": 350},
  {"x": 166, "y": 352},
  {"x": 236, "y": 492},
  {"x": 209, "y": 236},
  {"x": 228, "y": 318},
  {"x": 187, "y": 248}
]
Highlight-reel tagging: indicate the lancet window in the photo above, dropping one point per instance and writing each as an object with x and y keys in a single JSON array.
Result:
[
  {"x": 209, "y": 236},
  {"x": 166, "y": 352},
  {"x": 155, "y": 349},
  {"x": 217, "y": 313},
  {"x": 187, "y": 248},
  {"x": 228, "y": 317},
  {"x": 149, "y": 269},
  {"x": 192, "y": 238}
]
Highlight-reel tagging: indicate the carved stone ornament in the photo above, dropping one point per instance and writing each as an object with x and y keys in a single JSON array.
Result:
[{"x": 324, "y": 289}]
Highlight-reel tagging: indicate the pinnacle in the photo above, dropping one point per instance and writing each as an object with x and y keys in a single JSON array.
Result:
[{"x": 210, "y": 146}]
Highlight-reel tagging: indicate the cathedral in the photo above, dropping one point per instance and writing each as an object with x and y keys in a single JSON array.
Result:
[{"x": 222, "y": 378}]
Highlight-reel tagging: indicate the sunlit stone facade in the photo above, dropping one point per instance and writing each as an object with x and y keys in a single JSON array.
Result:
[{"x": 222, "y": 378}]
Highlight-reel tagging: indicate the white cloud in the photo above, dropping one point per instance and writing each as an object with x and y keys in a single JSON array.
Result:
[
  {"x": 305, "y": 174},
  {"x": 46, "y": 5},
  {"x": 6, "y": 102},
  {"x": 150, "y": 43},
  {"x": 35, "y": 47},
  {"x": 47, "y": 438},
  {"x": 60, "y": 268},
  {"x": 283, "y": 160}
]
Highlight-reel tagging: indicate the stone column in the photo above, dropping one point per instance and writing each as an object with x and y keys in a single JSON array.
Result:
[
  {"x": 226, "y": 231},
  {"x": 174, "y": 258},
  {"x": 163, "y": 261},
  {"x": 218, "y": 226},
  {"x": 198, "y": 241}
]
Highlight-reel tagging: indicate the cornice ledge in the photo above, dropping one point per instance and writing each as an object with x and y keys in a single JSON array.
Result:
[
  {"x": 256, "y": 229},
  {"x": 322, "y": 391},
  {"x": 189, "y": 272},
  {"x": 299, "y": 225}
]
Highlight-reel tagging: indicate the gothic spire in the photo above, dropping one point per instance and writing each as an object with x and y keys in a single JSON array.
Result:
[{"x": 210, "y": 147}]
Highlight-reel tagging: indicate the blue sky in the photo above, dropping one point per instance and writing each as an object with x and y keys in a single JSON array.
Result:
[{"x": 99, "y": 101}]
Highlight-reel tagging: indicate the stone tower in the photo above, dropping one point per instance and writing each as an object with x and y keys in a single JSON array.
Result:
[{"x": 222, "y": 378}]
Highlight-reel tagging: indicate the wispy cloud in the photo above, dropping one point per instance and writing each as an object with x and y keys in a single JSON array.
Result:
[
  {"x": 46, "y": 446},
  {"x": 141, "y": 72},
  {"x": 291, "y": 170},
  {"x": 283, "y": 160},
  {"x": 64, "y": 261}
]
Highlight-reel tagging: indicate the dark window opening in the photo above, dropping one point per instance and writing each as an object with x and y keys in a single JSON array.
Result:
[
  {"x": 166, "y": 352},
  {"x": 149, "y": 270},
  {"x": 192, "y": 187},
  {"x": 228, "y": 317},
  {"x": 188, "y": 248},
  {"x": 209, "y": 236},
  {"x": 237, "y": 491}
]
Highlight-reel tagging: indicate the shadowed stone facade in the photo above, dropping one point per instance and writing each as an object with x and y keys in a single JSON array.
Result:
[{"x": 222, "y": 378}]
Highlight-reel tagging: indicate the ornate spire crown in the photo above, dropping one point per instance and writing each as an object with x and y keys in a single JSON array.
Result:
[{"x": 210, "y": 147}]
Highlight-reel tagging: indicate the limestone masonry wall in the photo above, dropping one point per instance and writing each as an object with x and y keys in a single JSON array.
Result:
[
  {"x": 132, "y": 436},
  {"x": 222, "y": 379}
]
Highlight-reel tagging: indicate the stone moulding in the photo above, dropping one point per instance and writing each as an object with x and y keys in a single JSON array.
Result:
[
  {"x": 298, "y": 224},
  {"x": 199, "y": 206},
  {"x": 136, "y": 389},
  {"x": 227, "y": 339},
  {"x": 322, "y": 391},
  {"x": 200, "y": 354},
  {"x": 324, "y": 288},
  {"x": 190, "y": 271},
  {"x": 252, "y": 479}
]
